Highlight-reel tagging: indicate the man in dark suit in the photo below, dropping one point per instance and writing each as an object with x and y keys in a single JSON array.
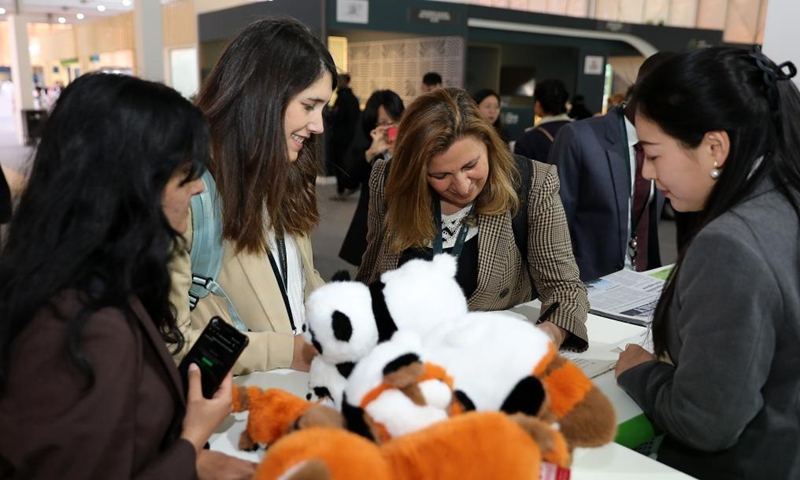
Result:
[{"x": 612, "y": 212}]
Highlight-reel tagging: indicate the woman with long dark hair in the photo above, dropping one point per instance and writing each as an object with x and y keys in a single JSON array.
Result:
[
  {"x": 721, "y": 137},
  {"x": 382, "y": 112},
  {"x": 264, "y": 102},
  {"x": 88, "y": 389}
]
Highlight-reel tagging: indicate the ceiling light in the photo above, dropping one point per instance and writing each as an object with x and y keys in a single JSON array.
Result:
[
  {"x": 80, "y": 16},
  {"x": 62, "y": 20},
  {"x": 2, "y": 11},
  {"x": 126, "y": 3},
  {"x": 101, "y": 8}
]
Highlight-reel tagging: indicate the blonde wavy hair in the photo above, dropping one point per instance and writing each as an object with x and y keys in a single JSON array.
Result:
[{"x": 430, "y": 126}]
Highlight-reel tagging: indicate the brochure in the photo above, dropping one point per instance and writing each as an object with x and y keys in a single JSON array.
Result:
[{"x": 626, "y": 295}]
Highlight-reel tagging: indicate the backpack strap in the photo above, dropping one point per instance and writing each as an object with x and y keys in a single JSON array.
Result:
[
  {"x": 520, "y": 221},
  {"x": 519, "y": 224},
  {"x": 546, "y": 133},
  {"x": 207, "y": 248}
]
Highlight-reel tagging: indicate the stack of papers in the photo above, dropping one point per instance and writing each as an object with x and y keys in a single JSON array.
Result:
[{"x": 627, "y": 296}]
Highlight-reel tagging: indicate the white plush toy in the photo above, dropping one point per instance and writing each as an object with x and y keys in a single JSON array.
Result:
[
  {"x": 497, "y": 362},
  {"x": 491, "y": 356},
  {"x": 421, "y": 296},
  {"x": 396, "y": 390}
]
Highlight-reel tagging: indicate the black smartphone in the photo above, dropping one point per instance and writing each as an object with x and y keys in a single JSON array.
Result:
[{"x": 215, "y": 352}]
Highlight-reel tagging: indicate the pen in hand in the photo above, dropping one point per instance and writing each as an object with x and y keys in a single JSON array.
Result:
[{"x": 547, "y": 313}]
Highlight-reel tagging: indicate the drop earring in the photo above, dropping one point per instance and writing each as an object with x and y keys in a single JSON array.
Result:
[{"x": 715, "y": 172}]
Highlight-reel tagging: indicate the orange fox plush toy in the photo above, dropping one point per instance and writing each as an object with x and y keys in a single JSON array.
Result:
[{"x": 473, "y": 446}]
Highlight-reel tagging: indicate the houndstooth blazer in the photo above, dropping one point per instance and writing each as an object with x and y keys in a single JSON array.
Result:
[{"x": 502, "y": 281}]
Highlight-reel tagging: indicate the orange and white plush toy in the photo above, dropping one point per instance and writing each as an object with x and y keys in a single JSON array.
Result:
[
  {"x": 473, "y": 446},
  {"x": 393, "y": 392}
]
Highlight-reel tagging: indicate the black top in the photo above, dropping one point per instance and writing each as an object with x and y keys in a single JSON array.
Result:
[{"x": 535, "y": 144}]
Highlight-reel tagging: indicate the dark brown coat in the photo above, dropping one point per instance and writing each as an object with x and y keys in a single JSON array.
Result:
[{"x": 126, "y": 426}]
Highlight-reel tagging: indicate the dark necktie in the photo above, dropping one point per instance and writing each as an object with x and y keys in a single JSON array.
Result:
[{"x": 639, "y": 218}]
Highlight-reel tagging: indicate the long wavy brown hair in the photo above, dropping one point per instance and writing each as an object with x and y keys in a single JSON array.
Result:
[
  {"x": 244, "y": 100},
  {"x": 430, "y": 126}
]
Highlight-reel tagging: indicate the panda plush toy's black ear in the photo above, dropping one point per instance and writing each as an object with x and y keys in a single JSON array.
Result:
[{"x": 383, "y": 318}]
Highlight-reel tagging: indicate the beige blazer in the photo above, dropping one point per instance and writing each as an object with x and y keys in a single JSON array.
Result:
[
  {"x": 502, "y": 278},
  {"x": 252, "y": 287}
]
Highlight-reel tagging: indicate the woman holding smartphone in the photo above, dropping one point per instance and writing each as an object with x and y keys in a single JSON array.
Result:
[
  {"x": 88, "y": 389},
  {"x": 379, "y": 125}
]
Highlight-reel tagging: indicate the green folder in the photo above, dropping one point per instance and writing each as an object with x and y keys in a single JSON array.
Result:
[{"x": 635, "y": 431}]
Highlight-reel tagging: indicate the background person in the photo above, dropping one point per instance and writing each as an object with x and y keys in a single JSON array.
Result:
[
  {"x": 578, "y": 109},
  {"x": 430, "y": 81},
  {"x": 264, "y": 102},
  {"x": 382, "y": 111},
  {"x": 450, "y": 161},
  {"x": 550, "y": 104},
  {"x": 721, "y": 134},
  {"x": 488, "y": 102},
  {"x": 344, "y": 120},
  {"x": 88, "y": 389}
]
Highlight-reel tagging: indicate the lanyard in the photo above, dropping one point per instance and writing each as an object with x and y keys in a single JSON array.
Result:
[
  {"x": 462, "y": 231},
  {"x": 283, "y": 280}
]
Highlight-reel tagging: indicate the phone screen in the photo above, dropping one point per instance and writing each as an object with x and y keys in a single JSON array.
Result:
[
  {"x": 215, "y": 352},
  {"x": 391, "y": 135}
]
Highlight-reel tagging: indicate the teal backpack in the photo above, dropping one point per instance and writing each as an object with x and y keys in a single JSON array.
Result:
[{"x": 207, "y": 249}]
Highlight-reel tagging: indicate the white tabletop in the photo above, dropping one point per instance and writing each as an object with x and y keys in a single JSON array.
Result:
[{"x": 608, "y": 333}]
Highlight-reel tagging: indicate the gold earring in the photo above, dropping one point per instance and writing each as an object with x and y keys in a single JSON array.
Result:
[{"x": 716, "y": 172}]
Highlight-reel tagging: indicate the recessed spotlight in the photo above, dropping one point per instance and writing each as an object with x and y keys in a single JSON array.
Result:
[
  {"x": 101, "y": 8},
  {"x": 80, "y": 16},
  {"x": 2, "y": 11},
  {"x": 62, "y": 20},
  {"x": 126, "y": 3}
]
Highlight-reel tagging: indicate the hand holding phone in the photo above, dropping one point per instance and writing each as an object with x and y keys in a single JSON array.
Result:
[
  {"x": 215, "y": 352},
  {"x": 204, "y": 415}
]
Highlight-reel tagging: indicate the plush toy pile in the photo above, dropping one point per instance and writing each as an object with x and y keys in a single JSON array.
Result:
[{"x": 409, "y": 384}]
